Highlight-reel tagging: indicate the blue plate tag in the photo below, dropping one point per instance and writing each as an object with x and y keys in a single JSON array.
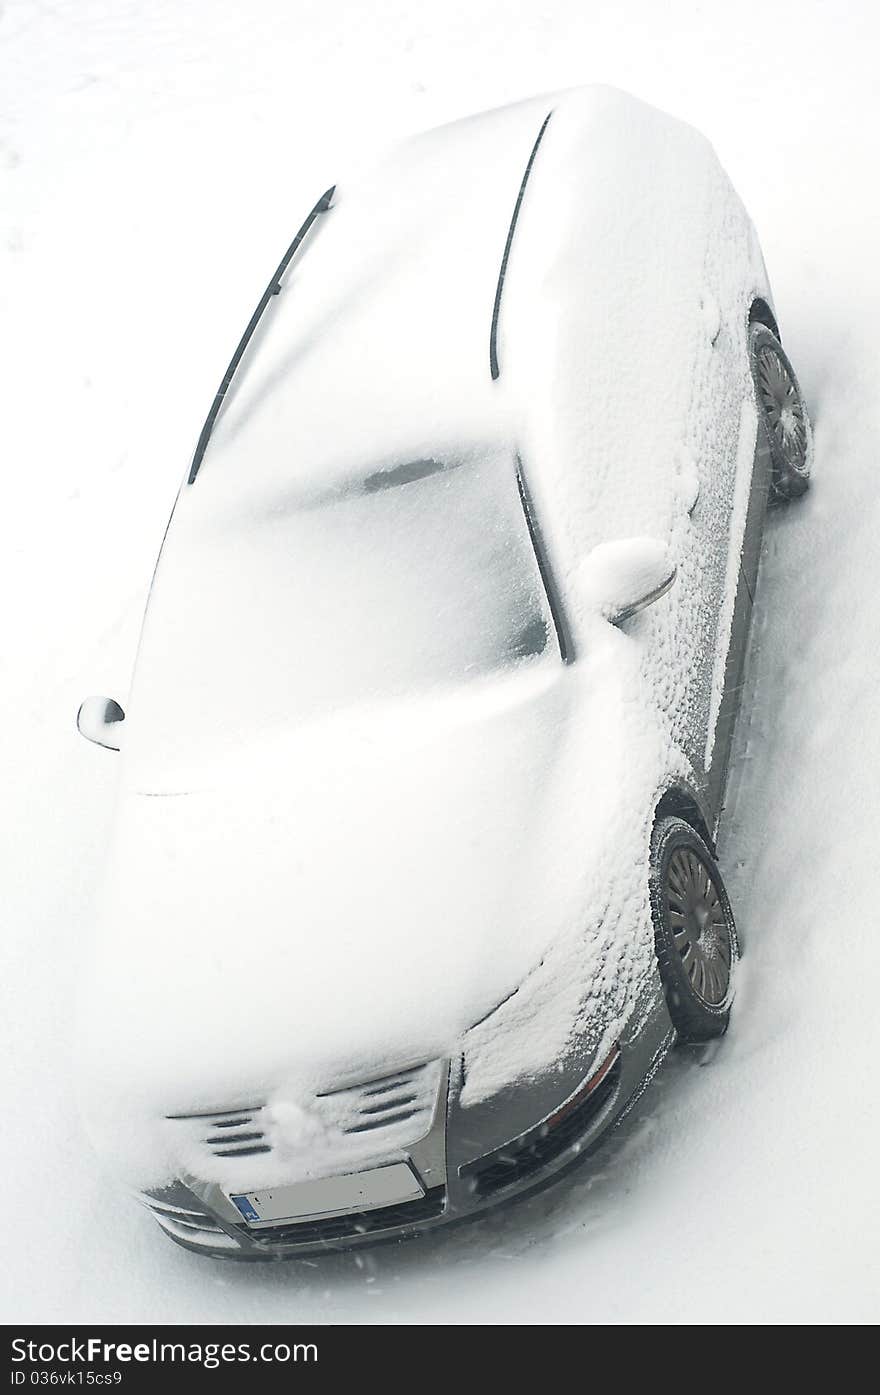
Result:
[{"x": 245, "y": 1207}]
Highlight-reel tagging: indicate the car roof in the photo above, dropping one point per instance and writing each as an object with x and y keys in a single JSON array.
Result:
[
  {"x": 388, "y": 308},
  {"x": 377, "y": 350}
]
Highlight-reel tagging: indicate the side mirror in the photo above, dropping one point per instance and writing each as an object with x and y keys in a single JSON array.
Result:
[
  {"x": 100, "y": 719},
  {"x": 619, "y": 578}
]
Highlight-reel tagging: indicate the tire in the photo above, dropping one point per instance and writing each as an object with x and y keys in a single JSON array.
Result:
[
  {"x": 783, "y": 413},
  {"x": 694, "y": 931}
]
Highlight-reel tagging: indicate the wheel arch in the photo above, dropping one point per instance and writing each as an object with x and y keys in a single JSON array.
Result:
[
  {"x": 760, "y": 313},
  {"x": 679, "y": 802}
]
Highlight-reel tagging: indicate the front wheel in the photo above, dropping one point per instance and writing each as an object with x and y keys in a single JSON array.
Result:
[
  {"x": 694, "y": 931},
  {"x": 783, "y": 412}
]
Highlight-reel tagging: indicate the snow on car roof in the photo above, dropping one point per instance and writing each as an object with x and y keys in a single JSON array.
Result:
[
  {"x": 376, "y": 353},
  {"x": 377, "y": 348}
]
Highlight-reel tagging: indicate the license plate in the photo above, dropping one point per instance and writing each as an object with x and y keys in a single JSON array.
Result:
[{"x": 321, "y": 1197}]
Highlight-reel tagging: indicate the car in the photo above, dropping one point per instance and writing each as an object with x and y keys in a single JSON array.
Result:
[{"x": 412, "y": 882}]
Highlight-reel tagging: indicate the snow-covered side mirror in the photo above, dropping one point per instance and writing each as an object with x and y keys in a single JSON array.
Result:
[
  {"x": 619, "y": 578},
  {"x": 100, "y": 719}
]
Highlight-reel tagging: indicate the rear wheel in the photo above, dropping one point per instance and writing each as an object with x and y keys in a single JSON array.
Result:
[
  {"x": 694, "y": 931},
  {"x": 783, "y": 411}
]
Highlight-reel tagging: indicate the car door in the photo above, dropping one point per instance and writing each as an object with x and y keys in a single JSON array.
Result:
[{"x": 725, "y": 533}]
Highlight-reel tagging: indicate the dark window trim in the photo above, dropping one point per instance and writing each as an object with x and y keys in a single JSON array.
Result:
[
  {"x": 273, "y": 288},
  {"x": 496, "y": 309},
  {"x": 554, "y": 600}
]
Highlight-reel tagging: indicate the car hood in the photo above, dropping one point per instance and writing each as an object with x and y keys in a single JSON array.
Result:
[{"x": 348, "y": 899}]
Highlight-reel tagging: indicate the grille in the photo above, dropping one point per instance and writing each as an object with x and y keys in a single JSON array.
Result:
[
  {"x": 237, "y": 1135},
  {"x": 376, "y": 1118},
  {"x": 524, "y": 1157},
  {"x": 399, "y": 1106},
  {"x": 234, "y": 1133},
  {"x": 407, "y": 1213}
]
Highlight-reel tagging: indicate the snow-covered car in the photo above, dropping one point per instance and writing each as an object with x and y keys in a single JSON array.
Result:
[{"x": 412, "y": 881}]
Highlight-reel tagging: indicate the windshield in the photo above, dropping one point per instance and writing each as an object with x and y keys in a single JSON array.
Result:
[{"x": 419, "y": 576}]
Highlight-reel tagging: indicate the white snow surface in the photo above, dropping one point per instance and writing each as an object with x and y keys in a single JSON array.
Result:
[{"x": 152, "y": 163}]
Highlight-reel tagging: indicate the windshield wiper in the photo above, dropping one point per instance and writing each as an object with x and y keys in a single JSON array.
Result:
[
  {"x": 273, "y": 288},
  {"x": 545, "y": 570},
  {"x": 494, "y": 368}
]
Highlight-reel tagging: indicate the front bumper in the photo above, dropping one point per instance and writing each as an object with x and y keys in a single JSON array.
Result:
[{"x": 454, "y": 1176}]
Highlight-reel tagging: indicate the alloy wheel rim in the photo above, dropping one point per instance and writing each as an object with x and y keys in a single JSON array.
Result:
[
  {"x": 700, "y": 926},
  {"x": 783, "y": 407}
]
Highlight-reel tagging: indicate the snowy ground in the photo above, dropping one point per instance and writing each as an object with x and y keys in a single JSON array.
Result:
[{"x": 154, "y": 159}]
